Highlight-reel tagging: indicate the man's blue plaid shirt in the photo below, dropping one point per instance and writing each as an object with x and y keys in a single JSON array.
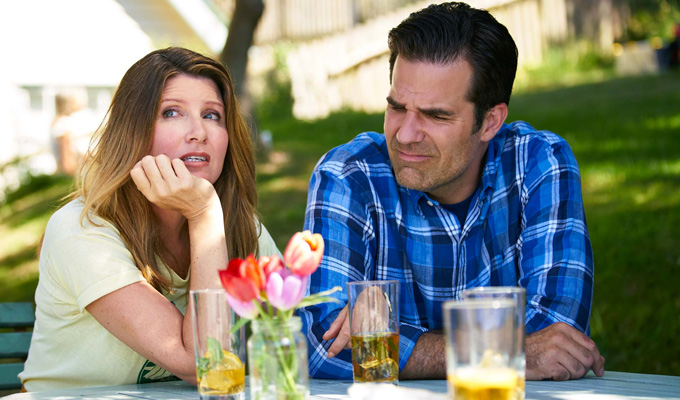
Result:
[{"x": 525, "y": 226}]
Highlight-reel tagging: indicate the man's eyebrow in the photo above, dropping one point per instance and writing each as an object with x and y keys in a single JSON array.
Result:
[
  {"x": 436, "y": 112},
  {"x": 394, "y": 103}
]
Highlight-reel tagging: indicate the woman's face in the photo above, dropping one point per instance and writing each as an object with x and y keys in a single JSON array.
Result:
[{"x": 191, "y": 125}]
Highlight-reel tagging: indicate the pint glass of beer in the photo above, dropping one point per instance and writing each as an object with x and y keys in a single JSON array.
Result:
[
  {"x": 482, "y": 348},
  {"x": 374, "y": 329}
]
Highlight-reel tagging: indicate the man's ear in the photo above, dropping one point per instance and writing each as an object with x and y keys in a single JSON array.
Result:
[{"x": 493, "y": 121}]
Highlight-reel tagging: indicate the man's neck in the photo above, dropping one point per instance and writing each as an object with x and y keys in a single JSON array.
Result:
[{"x": 465, "y": 185}]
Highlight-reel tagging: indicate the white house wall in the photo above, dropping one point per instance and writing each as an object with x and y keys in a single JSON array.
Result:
[{"x": 50, "y": 45}]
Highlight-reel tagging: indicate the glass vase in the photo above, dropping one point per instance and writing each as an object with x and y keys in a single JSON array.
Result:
[{"x": 277, "y": 360}]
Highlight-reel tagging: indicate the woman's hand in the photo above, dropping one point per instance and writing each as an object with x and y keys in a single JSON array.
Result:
[{"x": 169, "y": 185}]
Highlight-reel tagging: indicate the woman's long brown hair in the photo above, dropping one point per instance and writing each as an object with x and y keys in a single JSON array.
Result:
[{"x": 105, "y": 183}]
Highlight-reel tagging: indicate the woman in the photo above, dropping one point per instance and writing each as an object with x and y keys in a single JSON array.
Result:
[{"x": 167, "y": 193}]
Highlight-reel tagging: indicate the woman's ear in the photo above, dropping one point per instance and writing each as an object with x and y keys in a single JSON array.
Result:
[{"x": 493, "y": 121}]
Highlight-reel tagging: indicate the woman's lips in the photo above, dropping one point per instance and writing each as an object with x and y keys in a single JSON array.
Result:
[{"x": 195, "y": 158}]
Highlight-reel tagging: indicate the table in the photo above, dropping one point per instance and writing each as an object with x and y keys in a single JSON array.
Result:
[{"x": 613, "y": 385}]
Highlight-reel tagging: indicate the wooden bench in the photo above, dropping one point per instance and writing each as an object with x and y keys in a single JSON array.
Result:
[{"x": 16, "y": 323}]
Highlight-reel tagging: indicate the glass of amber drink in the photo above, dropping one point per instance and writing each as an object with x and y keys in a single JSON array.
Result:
[
  {"x": 374, "y": 329},
  {"x": 518, "y": 295},
  {"x": 220, "y": 353},
  {"x": 482, "y": 349}
]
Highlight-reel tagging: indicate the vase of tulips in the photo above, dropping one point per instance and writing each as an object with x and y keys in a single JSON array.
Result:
[{"x": 266, "y": 291}]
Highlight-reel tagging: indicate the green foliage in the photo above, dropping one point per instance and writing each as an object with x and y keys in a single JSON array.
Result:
[
  {"x": 23, "y": 216},
  {"x": 569, "y": 64},
  {"x": 214, "y": 357},
  {"x": 652, "y": 18},
  {"x": 276, "y": 102}
]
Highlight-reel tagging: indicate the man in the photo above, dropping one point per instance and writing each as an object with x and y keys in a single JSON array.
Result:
[{"x": 451, "y": 197}]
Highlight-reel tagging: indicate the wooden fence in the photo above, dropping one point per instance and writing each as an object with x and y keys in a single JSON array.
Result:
[{"x": 339, "y": 47}]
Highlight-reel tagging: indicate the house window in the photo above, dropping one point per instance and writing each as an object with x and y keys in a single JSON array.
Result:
[{"x": 35, "y": 94}]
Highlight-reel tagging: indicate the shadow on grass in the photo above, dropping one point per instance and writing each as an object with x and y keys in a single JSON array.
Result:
[
  {"x": 40, "y": 195},
  {"x": 22, "y": 289},
  {"x": 19, "y": 257}
]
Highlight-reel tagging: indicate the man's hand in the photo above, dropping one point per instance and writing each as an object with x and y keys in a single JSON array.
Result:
[
  {"x": 371, "y": 313},
  {"x": 561, "y": 352},
  {"x": 339, "y": 330}
]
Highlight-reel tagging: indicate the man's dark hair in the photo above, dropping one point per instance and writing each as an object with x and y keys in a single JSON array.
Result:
[{"x": 443, "y": 33}]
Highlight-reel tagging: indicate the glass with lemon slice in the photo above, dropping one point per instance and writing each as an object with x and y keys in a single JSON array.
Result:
[
  {"x": 220, "y": 353},
  {"x": 482, "y": 348}
]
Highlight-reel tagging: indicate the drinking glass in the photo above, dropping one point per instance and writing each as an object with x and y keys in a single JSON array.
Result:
[
  {"x": 481, "y": 349},
  {"x": 374, "y": 330},
  {"x": 220, "y": 353},
  {"x": 517, "y": 294}
]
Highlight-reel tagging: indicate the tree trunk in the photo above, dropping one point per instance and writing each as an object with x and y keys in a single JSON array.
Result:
[{"x": 247, "y": 14}]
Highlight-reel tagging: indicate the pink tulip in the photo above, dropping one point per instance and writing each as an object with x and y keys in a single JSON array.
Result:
[
  {"x": 304, "y": 252},
  {"x": 285, "y": 289},
  {"x": 245, "y": 309}
]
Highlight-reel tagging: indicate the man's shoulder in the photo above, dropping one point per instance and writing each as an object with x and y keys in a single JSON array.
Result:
[
  {"x": 521, "y": 133},
  {"x": 360, "y": 168},
  {"x": 520, "y": 150},
  {"x": 367, "y": 147},
  {"x": 518, "y": 141}
]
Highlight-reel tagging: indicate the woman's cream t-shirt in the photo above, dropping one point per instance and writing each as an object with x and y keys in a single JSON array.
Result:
[{"x": 78, "y": 265}]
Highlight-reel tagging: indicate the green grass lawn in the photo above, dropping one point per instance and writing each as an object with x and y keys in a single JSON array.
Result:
[{"x": 626, "y": 136}]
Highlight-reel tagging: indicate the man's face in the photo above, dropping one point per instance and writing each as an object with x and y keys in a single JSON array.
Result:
[{"x": 428, "y": 127}]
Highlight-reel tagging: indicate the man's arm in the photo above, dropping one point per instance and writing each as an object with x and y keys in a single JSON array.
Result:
[
  {"x": 338, "y": 208},
  {"x": 558, "y": 352},
  {"x": 556, "y": 265},
  {"x": 428, "y": 359}
]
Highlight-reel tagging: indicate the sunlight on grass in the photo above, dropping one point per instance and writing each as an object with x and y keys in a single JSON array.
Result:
[
  {"x": 283, "y": 184},
  {"x": 24, "y": 271},
  {"x": 276, "y": 160},
  {"x": 27, "y": 234},
  {"x": 670, "y": 167},
  {"x": 597, "y": 180},
  {"x": 648, "y": 194},
  {"x": 663, "y": 123}
]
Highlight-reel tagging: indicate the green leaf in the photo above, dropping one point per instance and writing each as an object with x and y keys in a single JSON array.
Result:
[
  {"x": 215, "y": 349},
  {"x": 313, "y": 299},
  {"x": 203, "y": 367},
  {"x": 239, "y": 323}
]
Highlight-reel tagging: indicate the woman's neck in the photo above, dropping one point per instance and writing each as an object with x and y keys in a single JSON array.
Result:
[
  {"x": 175, "y": 239},
  {"x": 171, "y": 222}
]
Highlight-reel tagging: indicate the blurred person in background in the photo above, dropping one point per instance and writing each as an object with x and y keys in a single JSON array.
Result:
[
  {"x": 166, "y": 197},
  {"x": 71, "y": 130}
]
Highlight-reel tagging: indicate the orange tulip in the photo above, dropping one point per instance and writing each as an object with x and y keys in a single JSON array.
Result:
[
  {"x": 304, "y": 252},
  {"x": 270, "y": 264}
]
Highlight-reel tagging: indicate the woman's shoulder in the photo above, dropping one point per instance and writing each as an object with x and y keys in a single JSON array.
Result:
[
  {"x": 67, "y": 223},
  {"x": 265, "y": 242}
]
